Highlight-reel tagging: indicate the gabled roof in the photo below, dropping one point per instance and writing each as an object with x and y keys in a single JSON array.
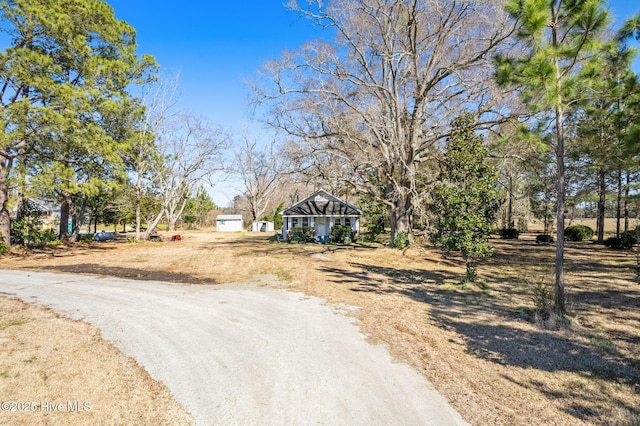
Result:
[
  {"x": 321, "y": 203},
  {"x": 42, "y": 205}
]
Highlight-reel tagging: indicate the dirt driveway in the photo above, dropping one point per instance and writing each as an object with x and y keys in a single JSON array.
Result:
[{"x": 244, "y": 353}]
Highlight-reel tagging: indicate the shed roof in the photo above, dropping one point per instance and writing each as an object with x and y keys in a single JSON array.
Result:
[
  {"x": 321, "y": 203},
  {"x": 229, "y": 217}
]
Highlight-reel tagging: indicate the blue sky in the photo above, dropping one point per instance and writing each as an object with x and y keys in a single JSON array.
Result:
[{"x": 216, "y": 45}]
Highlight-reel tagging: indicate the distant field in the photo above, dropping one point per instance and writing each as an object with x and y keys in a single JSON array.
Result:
[{"x": 609, "y": 224}]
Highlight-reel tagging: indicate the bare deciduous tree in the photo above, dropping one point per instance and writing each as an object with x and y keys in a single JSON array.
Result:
[
  {"x": 261, "y": 170},
  {"x": 190, "y": 152},
  {"x": 380, "y": 97},
  {"x": 159, "y": 99}
]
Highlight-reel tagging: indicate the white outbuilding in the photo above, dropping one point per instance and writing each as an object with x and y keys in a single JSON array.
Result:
[
  {"x": 263, "y": 226},
  {"x": 229, "y": 223}
]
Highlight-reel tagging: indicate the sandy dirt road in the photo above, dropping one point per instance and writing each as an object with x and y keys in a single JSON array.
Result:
[{"x": 244, "y": 353}]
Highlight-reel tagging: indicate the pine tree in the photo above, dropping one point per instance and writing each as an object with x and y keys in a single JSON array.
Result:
[
  {"x": 561, "y": 59},
  {"x": 63, "y": 90}
]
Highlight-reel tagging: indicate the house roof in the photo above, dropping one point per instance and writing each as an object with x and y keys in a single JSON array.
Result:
[
  {"x": 42, "y": 205},
  {"x": 321, "y": 203},
  {"x": 229, "y": 217}
]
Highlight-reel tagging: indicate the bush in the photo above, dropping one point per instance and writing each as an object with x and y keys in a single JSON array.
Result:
[
  {"x": 341, "y": 234},
  {"x": 630, "y": 238},
  {"x": 3, "y": 248},
  {"x": 616, "y": 243},
  {"x": 578, "y": 233},
  {"x": 301, "y": 235},
  {"x": 544, "y": 239},
  {"x": 509, "y": 234},
  {"x": 373, "y": 230},
  {"x": 402, "y": 241}
]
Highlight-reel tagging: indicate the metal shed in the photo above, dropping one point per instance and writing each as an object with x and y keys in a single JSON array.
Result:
[{"x": 229, "y": 223}]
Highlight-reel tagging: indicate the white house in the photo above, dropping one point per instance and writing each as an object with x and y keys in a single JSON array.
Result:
[
  {"x": 229, "y": 223},
  {"x": 49, "y": 211},
  {"x": 321, "y": 211}
]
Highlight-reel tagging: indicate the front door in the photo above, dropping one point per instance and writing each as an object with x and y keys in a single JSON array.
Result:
[{"x": 320, "y": 227}]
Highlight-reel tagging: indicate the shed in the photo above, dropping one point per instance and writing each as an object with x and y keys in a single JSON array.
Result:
[
  {"x": 229, "y": 223},
  {"x": 263, "y": 226},
  {"x": 321, "y": 211}
]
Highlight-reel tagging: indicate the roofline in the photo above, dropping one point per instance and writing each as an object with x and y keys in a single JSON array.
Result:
[{"x": 313, "y": 195}]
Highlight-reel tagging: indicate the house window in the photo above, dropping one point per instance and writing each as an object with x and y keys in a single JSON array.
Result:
[
  {"x": 295, "y": 222},
  {"x": 347, "y": 221},
  {"x": 305, "y": 221}
]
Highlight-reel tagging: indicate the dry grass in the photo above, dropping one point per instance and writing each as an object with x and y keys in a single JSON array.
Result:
[
  {"x": 480, "y": 346},
  {"x": 47, "y": 361}
]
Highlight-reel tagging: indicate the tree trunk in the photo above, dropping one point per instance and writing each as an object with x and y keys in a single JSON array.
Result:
[
  {"x": 401, "y": 217},
  {"x": 173, "y": 218},
  {"x": 602, "y": 194},
  {"x": 5, "y": 223},
  {"x": 152, "y": 226},
  {"x": 510, "y": 223},
  {"x": 138, "y": 204},
  {"x": 627, "y": 187},
  {"x": 64, "y": 218},
  {"x": 619, "y": 204},
  {"x": 560, "y": 302}
]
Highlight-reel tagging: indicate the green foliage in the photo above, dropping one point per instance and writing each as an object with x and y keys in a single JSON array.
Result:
[
  {"x": 464, "y": 202},
  {"x": 402, "y": 241},
  {"x": 373, "y": 230},
  {"x": 301, "y": 235},
  {"x": 563, "y": 41},
  {"x": 630, "y": 238},
  {"x": 198, "y": 209},
  {"x": 544, "y": 239},
  {"x": 3, "y": 247},
  {"x": 615, "y": 243},
  {"x": 67, "y": 113},
  {"x": 85, "y": 238},
  {"x": 375, "y": 215},
  {"x": 509, "y": 234},
  {"x": 578, "y": 233},
  {"x": 27, "y": 229},
  {"x": 275, "y": 216},
  {"x": 341, "y": 234}
]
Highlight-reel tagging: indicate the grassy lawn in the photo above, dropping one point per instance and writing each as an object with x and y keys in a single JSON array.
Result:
[{"x": 482, "y": 346}]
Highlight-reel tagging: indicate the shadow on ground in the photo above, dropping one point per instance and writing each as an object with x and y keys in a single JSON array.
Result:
[
  {"x": 128, "y": 273},
  {"x": 494, "y": 328}
]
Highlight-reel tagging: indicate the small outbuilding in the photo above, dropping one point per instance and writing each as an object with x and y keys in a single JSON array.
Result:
[
  {"x": 321, "y": 211},
  {"x": 263, "y": 226},
  {"x": 229, "y": 223}
]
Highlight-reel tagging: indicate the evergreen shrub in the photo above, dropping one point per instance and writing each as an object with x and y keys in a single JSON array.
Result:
[{"x": 578, "y": 233}]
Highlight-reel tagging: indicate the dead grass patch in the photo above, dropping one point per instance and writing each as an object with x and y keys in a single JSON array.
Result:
[
  {"x": 65, "y": 373},
  {"x": 478, "y": 345}
]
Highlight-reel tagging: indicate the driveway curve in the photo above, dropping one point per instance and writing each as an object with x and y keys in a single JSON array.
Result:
[{"x": 244, "y": 353}]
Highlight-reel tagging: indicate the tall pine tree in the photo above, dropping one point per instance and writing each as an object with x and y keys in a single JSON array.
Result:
[
  {"x": 562, "y": 41},
  {"x": 63, "y": 88}
]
